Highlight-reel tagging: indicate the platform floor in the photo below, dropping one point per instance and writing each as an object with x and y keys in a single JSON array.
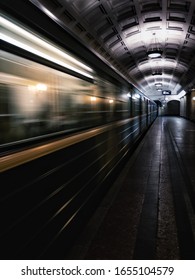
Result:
[{"x": 149, "y": 211}]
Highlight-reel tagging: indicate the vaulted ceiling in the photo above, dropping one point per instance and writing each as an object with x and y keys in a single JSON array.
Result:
[{"x": 122, "y": 31}]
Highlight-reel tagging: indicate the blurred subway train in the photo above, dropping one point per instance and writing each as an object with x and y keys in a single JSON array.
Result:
[
  {"x": 66, "y": 129},
  {"x": 37, "y": 100}
]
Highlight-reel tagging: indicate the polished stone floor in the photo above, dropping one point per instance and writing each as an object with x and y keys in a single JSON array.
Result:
[{"x": 149, "y": 211}]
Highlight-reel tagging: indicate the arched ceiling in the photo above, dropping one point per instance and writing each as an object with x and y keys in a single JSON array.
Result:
[{"x": 122, "y": 31}]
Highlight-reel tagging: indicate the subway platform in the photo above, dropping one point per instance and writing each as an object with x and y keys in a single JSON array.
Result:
[{"x": 149, "y": 211}]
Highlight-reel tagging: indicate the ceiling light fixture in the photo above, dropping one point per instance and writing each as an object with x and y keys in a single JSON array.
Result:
[
  {"x": 158, "y": 84},
  {"x": 155, "y": 50},
  {"x": 154, "y": 53},
  {"x": 157, "y": 72},
  {"x": 182, "y": 94}
]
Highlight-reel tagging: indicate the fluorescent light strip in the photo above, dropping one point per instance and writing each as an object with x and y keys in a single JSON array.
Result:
[
  {"x": 181, "y": 94},
  {"x": 14, "y": 28},
  {"x": 41, "y": 54}
]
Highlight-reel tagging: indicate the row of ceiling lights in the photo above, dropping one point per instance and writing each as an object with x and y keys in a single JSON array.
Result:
[{"x": 155, "y": 51}]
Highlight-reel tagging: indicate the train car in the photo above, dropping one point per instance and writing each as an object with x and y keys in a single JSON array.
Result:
[{"x": 66, "y": 132}]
